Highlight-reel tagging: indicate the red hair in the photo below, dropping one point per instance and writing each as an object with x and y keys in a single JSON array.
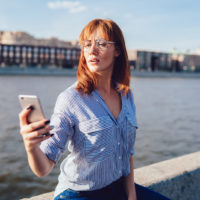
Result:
[{"x": 87, "y": 80}]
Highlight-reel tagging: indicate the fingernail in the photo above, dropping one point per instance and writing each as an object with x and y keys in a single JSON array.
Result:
[
  {"x": 30, "y": 107},
  {"x": 46, "y": 134},
  {"x": 51, "y": 127},
  {"x": 47, "y": 122}
]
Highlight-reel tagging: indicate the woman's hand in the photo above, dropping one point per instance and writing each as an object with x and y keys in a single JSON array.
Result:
[{"x": 32, "y": 133}]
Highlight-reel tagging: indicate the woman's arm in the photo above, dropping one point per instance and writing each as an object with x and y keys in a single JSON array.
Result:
[
  {"x": 38, "y": 161},
  {"x": 129, "y": 182}
]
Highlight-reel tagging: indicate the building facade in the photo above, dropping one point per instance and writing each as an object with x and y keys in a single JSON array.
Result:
[
  {"x": 159, "y": 61},
  {"x": 22, "y": 49},
  {"x": 32, "y": 56}
]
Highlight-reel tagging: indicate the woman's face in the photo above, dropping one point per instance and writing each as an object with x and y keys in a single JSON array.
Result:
[{"x": 99, "y": 58}]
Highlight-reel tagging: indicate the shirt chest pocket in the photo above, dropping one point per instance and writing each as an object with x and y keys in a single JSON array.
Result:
[
  {"x": 98, "y": 134},
  {"x": 131, "y": 132}
]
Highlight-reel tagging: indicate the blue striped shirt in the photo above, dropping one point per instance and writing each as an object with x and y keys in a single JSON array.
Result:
[{"x": 100, "y": 145}]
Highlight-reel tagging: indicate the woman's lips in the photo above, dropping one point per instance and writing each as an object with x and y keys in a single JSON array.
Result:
[{"x": 94, "y": 60}]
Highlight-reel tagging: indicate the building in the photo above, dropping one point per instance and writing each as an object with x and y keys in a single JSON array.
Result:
[
  {"x": 22, "y": 49},
  {"x": 143, "y": 60}
]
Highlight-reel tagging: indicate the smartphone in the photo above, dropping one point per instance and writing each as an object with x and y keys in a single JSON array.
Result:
[{"x": 37, "y": 113}]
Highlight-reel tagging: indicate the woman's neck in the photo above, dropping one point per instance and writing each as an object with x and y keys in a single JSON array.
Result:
[{"x": 104, "y": 84}]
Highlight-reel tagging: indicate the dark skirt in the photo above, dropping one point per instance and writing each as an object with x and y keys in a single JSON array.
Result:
[{"x": 114, "y": 191}]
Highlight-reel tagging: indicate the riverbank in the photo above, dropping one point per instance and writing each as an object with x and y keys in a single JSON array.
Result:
[
  {"x": 177, "y": 178},
  {"x": 28, "y": 71}
]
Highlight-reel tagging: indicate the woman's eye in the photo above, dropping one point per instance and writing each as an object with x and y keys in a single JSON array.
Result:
[
  {"x": 87, "y": 45},
  {"x": 102, "y": 44}
]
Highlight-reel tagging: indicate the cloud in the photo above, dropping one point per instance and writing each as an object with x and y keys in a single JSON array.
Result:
[{"x": 71, "y": 6}]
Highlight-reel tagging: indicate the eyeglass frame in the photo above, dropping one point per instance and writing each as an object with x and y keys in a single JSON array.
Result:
[{"x": 96, "y": 44}]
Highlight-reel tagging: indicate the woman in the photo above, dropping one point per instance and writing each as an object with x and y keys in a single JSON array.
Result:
[{"x": 97, "y": 116}]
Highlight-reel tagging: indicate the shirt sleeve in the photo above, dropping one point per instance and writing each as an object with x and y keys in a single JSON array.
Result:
[
  {"x": 132, "y": 152},
  {"x": 62, "y": 123},
  {"x": 133, "y": 109}
]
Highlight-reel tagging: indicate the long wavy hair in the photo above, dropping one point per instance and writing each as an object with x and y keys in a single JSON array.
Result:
[{"x": 87, "y": 81}]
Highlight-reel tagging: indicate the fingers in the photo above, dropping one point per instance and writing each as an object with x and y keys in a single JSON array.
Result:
[
  {"x": 34, "y": 126},
  {"x": 33, "y": 133},
  {"x": 24, "y": 114},
  {"x": 34, "y": 138},
  {"x": 31, "y": 144},
  {"x": 38, "y": 133}
]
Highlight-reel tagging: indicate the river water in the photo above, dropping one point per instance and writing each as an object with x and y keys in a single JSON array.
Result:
[{"x": 168, "y": 113}]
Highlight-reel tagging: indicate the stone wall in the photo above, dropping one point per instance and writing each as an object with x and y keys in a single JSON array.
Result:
[{"x": 178, "y": 178}]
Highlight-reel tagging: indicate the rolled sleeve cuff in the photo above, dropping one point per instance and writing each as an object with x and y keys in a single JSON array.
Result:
[
  {"x": 132, "y": 151},
  {"x": 52, "y": 153}
]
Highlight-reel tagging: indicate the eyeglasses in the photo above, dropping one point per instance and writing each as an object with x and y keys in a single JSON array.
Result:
[{"x": 100, "y": 44}]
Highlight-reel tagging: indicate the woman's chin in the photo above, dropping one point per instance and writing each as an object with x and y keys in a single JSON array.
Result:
[{"x": 94, "y": 68}]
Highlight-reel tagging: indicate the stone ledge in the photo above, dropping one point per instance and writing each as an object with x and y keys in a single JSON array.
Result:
[
  {"x": 177, "y": 178},
  {"x": 167, "y": 169}
]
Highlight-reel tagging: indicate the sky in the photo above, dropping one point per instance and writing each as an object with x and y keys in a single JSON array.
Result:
[{"x": 158, "y": 25}]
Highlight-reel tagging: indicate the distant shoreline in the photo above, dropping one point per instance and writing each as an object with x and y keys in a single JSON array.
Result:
[
  {"x": 160, "y": 74},
  {"x": 28, "y": 71}
]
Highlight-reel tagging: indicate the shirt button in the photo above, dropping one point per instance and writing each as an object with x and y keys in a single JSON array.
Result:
[
  {"x": 120, "y": 157},
  {"x": 120, "y": 171},
  {"x": 118, "y": 143}
]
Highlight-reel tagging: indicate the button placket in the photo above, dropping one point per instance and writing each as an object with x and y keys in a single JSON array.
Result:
[{"x": 120, "y": 152}]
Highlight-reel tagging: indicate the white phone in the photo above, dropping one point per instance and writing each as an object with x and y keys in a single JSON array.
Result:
[{"x": 37, "y": 113}]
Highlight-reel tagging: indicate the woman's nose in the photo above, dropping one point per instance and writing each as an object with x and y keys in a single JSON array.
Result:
[{"x": 93, "y": 49}]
